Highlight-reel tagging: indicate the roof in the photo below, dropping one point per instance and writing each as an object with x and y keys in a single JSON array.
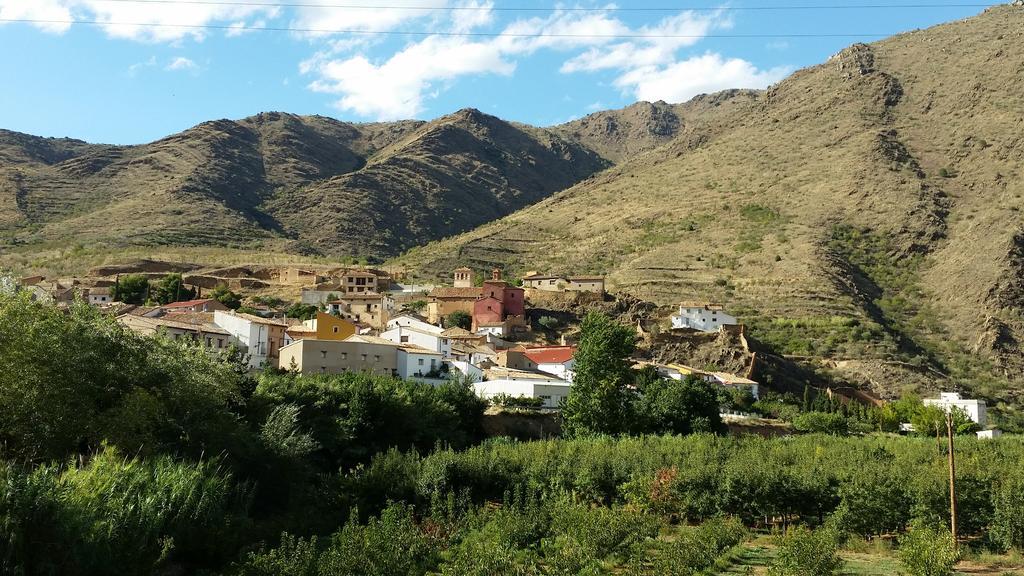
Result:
[
  {"x": 451, "y": 292},
  {"x": 587, "y": 278},
  {"x": 255, "y": 318},
  {"x": 542, "y": 277},
  {"x": 416, "y": 330},
  {"x": 360, "y": 296},
  {"x": 367, "y": 339},
  {"x": 706, "y": 305},
  {"x": 166, "y": 322},
  {"x": 191, "y": 317},
  {"x": 457, "y": 332},
  {"x": 684, "y": 369},
  {"x": 498, "y": 373},
  {"x": 101, "y": 291},
  {"x": 550, "y": 354},
  {"x": 490, "y": 324},
  {"x": 189, "y": 303},
  {"x": 726, "y": 378},
  {"x": 464, "y": 269},
  {"x": 414, "y": 349}
]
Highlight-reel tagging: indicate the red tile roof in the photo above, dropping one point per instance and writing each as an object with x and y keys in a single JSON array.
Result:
[{"x": 550, "y": 354}]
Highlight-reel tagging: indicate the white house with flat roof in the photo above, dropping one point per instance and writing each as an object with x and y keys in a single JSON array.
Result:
[
  {"x": 525, "y": 383},
  {"x": 431, "y": 340},
  {"x": 704, "y": 317},
  {"x": 416, "y": 363},
  {"x": 976, "y": 410}
]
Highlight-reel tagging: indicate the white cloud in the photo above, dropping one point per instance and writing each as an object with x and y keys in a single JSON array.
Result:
[
  {"x": 151, "y": 22},
  {"x": 54, "y": 10},
  {"x": 398, "y": 87},
  {"x": 363, "y": 16},
  {"x": 181, "y": 64},
  {"x": 682, "y": 80},
  {"x": 134, "y": 69}
]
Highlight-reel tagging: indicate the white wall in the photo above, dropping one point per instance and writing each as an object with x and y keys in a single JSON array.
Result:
[
  {"x": 563, "y": 371},
  {"x": 254, "y": 338},
  {"x": 416, "y": 365},
  {"x": 434, "y": 342},
  {"x": 702, "y": 319},
  {"x": 555, "y": 391},
  {"x": 976, "y": 410},
  {"x": 410, "y": 322}
]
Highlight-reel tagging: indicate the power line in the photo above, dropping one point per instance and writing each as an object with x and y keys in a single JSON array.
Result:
[
  {"x": 441, "y": 33},
  {"x": 253, "y": 3}
]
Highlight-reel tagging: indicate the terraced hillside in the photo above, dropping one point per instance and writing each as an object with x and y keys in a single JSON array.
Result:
[{"x": 864, "y": 211}]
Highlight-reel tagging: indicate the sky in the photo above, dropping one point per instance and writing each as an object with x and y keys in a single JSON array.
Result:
[{"x": 134, "y": 71}]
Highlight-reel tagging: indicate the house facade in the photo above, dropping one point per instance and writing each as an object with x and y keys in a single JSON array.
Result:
[
  {"x": 208, "y": 335},
  {"x": 556, "y": 283},
  {"x": 336, "y": 357},
  {"x": 704, "y": 317},
  {"x": 428, "y": 340},
  {"x": 498, "y": 301},
  {"x": 529, "y": 384},
  {"x": 368, "y": 308},
  {"x": 976, "y": 410},
  {"x": 260, "y": 338},
  {"x": 416, "y": 363},
  {"x": 559, "y": 361},
  {"x": 100, "y": 296}
]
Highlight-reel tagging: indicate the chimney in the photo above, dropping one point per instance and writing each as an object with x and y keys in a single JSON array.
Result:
[{"x": 496, "y": 275}]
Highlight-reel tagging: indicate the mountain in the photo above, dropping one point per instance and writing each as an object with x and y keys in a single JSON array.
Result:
[
  {"x": 864, "y": 213},
  {"x": 302, "y": 184}
]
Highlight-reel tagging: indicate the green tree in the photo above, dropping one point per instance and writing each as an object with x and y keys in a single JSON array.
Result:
[
  {"x": 459, "y": 319},
  {"x": 928, "y": 551},
  {"x": 549, "y": 322},
  {"x": 687, "y": 406},
  {"x": 225, "y": 296},
  {"x": 302, "y": 311},
  {"x": 171, "y": 288},
  {"x": 599, "y": 401},
  {"x": 416, "y": 307},
  {"x": 131, "y": 289},
  {"x": 822, "y": 423},
  {"x": 805, "y": 552}
]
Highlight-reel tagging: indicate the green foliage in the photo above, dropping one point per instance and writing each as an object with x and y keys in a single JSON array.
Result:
[
  {"x": 928, "y": 551},
  {"x": 171, "y": 288},
  {"x": 301, "y": 311},
  {"x": 1008, "y": 522},
  {"x": 549, "y": 322},
  {"x": 416, "y": 307},
  {"x": 225, "y": 296},
  {"x": 822, "y": 423},
  {"x": 687, "y": 406},
  {"x": 131, "y": 514},
  {"x": 107, "y": 383},
  {"x": 131, "y": 289},
  {"x": 699, "y": 548},
  {"x": 805, "y": 552},
  {"x": 459, "y": 319},
  {"x": 598, "y": 401},
  {"x": 509, "y": 401}
]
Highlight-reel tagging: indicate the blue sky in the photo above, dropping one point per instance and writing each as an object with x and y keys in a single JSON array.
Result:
[{"x": 127, "y": 84}]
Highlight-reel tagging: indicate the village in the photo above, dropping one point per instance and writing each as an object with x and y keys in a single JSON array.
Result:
[{"x": 482, "y": 330}]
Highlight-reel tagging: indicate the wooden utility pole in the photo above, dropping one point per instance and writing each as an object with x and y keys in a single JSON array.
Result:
[{"x": 952, "y": 477}]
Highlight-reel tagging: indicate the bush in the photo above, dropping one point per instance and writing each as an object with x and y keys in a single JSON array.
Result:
[
  {"x": 822, "y": 423},
  {"x": 1008, "y": 522},
  {"x": 927, "y": 551},
  {"x": 549, "y": 322},
  {"x": 459, "y": 319},
  {"x": 805, "y": 552}
]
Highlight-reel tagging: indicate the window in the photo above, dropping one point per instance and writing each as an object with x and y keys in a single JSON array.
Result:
[
  {"x": 376, "y": 357},
  {"x": 344, "y": 355},
  {"x": 220, "y": 342},
  {"x": 323, "y": 353},
  {"x": 209, "y": 342},
  {"x": 335, "y": 329},
  {"x": 403, "y": 339},
  {"x": 364, "y": 357},
  {"x": 420, "y": 362},
  {"x": 323, "y": 369}
]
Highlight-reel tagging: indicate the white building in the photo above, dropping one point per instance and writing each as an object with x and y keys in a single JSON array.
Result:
[
  {"x": 253, "y": 335},
  {"x": 415, "y": 363},
  {"x": 558, "y": 361},
  {"x": 429, "y": 340},
  {"x": 518, "y": 383},
  {"x": 410, "y": 321},
  {"x": 703, "y": 317},
  {"x": 976, "y": 410},
  {"x": 100, "y": 296}
]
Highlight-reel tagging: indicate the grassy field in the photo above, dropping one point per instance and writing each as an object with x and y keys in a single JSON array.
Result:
[{"x": 870, "y": 560}]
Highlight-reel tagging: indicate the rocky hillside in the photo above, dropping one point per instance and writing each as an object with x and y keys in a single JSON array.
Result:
[{"x": 865, "y": 213}]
